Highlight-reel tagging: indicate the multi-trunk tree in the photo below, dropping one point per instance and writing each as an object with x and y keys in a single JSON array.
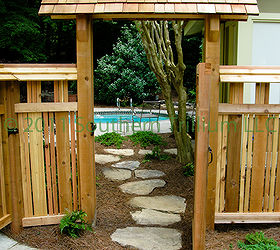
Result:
[{"x": 166, "y": 60}]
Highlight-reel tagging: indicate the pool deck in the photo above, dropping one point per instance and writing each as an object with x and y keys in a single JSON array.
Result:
[{"x": 126, "y": 128}]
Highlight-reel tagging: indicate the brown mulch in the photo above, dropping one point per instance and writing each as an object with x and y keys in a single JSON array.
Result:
[{"x": 113, "y": 212}]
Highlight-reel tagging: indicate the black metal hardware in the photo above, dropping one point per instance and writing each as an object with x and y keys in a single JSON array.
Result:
[
  {"x": 12, "y": 131},
  {"x": 211, "y": 155},
  {"x": 93, "y": 128}
]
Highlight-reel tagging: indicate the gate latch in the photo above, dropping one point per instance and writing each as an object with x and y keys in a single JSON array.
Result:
[
  {"x": 12, "y": 131},
  {"x": 93, "y": 128},
  {"x": 211, "y": 155}
]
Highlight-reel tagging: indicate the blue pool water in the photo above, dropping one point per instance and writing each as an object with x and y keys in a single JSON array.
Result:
[{"x": 114, "y": 118}]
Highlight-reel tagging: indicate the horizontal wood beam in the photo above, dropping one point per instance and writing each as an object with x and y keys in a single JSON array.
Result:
[
  {"x": 240, "y": 218},
  {"x": 45, "y": 107},
  {"x": 5, "y": 220},
  {"x": 250, "y": 78},
  {"x": 42, "y": 220},
  {"x": 37, "y": 65},
  {"x": 249, "y": 70},
  {"x": 238, "y": 109}
]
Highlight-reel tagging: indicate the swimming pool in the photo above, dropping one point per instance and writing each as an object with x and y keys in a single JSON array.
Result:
[{"x": 117, "y": 117}]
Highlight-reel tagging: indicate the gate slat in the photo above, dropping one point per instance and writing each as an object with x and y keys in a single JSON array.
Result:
[
  {"x": 25, "y": 165},
  {"x": 273, "y": 163},
  {"x": 2, "y": 176}
]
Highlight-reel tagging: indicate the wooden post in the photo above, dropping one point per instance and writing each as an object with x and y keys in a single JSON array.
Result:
[
  {"x": 201, "y": 155},
  {"x": 212, "y": 56},
  {"x": 85, "y": 115},
  {"x": 13, "y": 96}
]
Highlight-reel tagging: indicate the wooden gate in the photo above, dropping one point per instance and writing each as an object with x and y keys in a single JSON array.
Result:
[
  {"x": 48, "y": 155},
  {"x": 248, "y": 155},
  {"x": 5, "y": 216}
]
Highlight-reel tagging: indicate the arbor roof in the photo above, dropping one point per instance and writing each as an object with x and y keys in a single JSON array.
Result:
[{"x": 144, "y": 8}]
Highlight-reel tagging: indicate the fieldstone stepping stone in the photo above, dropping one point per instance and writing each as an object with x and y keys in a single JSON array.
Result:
[
  {"x": 168, "y": 203},
  {"x": 147, "y": 174},
  {"x": 148, "y": 238},
  {"x": 172, "y": 151},
  {"x": 153, "y": 217},
  {"x": 116, "y": 174},
  {"x": 124, "y": 152},
  {"x": 131, "y": 165},
  {"x": 144, "y": 151},
  {"x": 103, "y": 159},
  {"x": 142, "y": 187}
]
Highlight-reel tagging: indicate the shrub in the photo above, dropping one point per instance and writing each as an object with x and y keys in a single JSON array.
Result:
[
  {"x": 156, "y": 155},
  {"x": 125, "y": 73},
  {"x": 258, "y": 241},
  {"x": 189, "y": 169},
  {"x": 146, "y": 138},
  {"x": 74, "y": 223},
  {"x": 110, "y": 139}
]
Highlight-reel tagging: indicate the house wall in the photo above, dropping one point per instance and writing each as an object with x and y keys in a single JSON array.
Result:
[{"x": 258, "y": 44}]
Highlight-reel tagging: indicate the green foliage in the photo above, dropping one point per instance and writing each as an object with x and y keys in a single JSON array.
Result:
[
  {"x": 74, "y": 223},
  {"x": 189, "y": 169},
  {"x": 110, "y": 139},
  {"x": 125, "y": 73},
  {"x": 146, "y": 138},
  {"x": 157, "y": 155},
  {"x": 258, "y": 241}
]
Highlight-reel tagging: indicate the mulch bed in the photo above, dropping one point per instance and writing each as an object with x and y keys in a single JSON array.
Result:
[{"x": 113, "y": 212}]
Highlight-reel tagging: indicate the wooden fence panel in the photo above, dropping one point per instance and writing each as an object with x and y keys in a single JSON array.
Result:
[{"x": 50, "y": 176}]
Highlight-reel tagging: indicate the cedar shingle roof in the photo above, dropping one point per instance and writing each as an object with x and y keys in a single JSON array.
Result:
[{"x": 223, "y": 7}]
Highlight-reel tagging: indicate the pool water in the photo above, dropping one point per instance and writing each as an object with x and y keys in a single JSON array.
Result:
[{"x": 114, "y": 118}]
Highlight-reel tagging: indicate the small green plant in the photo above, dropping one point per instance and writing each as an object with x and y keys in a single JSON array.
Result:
[
  {"x": 73, "y": 223},
  {"x": 156, "y": 155},
  {"x": 189, "y": 169},
  {"x": 97, "y": 183},
  {"x": 110, "y": 139},
  {"x": 258, "y": 241},
  {"x": 146, "y": 138}
]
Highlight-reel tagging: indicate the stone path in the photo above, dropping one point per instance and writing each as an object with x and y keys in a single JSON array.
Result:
[
  {"x": 155, "y": 212},
  {"x": 8, "y": 243}
]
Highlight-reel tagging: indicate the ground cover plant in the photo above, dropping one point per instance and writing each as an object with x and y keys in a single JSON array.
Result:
[
  {"x": 189, "y": 169},
  {"x": 146, "y": 138},
  {"x": 156, "y": 155},
  {"x": 111, "y": 139},
  {"x": 74, "y": 223},
  {"x": 258, "y": 241}
]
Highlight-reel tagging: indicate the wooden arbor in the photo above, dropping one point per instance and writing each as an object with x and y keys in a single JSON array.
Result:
[{"x": 212, "y": 11}]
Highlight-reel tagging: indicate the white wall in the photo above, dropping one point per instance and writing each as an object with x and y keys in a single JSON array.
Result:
[{"x": 259, "y": 44}]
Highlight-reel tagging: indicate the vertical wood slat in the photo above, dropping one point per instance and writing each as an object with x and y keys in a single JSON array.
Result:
[
  {"x": 219, "y": 158},
  {"x": 53, "y": 164},
  {"x": 277, "y": 184},
  {"x": 223, "y": 162},
  {"x": 25, "y": 165},
  {"x": 37, "y": 155},
  {"x": 249, "y": 163},
  {"x": 73, "y": 160},
  {"x": 273, "y": 164},
  {"x": 48, "y": 163},
  {"x": 63, "y": 151},
  {"x": 270, "y": 127},
  {"x": 259, "y": 155},
  {"x": 2, "y": 177},
  {"x": 234, "y": 152},
  {"x": 243, "y": 163}
]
